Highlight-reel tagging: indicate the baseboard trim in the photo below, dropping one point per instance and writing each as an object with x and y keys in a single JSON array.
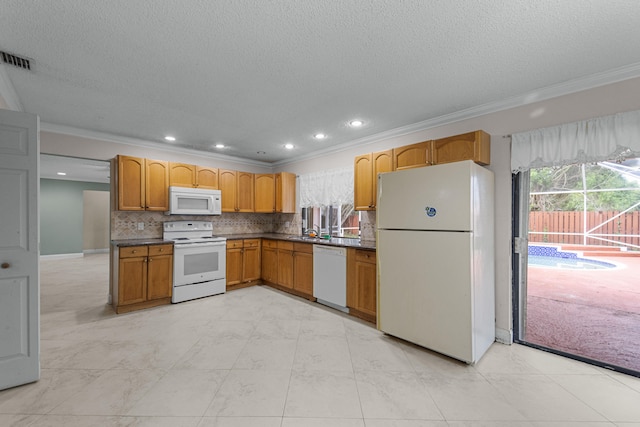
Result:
[
  {"x": 61, "y": 256},
  {"x": 504, "y": 336},
  {"x": 96, "y": 251}
]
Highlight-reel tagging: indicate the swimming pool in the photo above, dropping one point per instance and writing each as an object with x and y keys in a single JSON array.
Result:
[{"x": 551, "y": 257}]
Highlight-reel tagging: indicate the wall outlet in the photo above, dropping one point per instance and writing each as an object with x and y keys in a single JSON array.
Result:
[
  {"x": 287, "y": 224},
  {"x": 141, "y": 226}
]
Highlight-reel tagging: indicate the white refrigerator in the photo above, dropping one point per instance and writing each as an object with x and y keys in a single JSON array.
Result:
[{"x": 435, "y": 249}]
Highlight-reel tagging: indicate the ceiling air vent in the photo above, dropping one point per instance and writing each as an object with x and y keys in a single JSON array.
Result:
[{"x": 16, "y": 61}]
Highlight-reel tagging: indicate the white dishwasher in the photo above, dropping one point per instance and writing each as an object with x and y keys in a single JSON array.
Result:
[{"x": 330, "y": 276}]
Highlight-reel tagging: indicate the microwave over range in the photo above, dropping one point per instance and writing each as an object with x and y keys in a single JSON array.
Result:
[{"x": 194, "y": 201}]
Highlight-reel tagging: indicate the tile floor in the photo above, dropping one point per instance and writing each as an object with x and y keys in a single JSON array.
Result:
[{"x": 258, "y": 357}]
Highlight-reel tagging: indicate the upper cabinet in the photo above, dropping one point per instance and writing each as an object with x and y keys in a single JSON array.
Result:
[
  {"x": 412, "y": 156},
  {"x": 265, "y": 189},
  {"x": 193, "y": 176},
  {"x": 469, "y": 146},
  {"x": 474, "y": 146},
  {"x": 366, "y": 170},
  {"x": 285, "y": 192},
  {"x": 142, "y": 184},
  {"x": 275, "y": 192},
  {"x": 237, "y": 191},
  {"x": 246, "y": 192}
]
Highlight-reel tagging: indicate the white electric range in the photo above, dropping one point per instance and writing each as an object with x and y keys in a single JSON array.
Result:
[{"x": 199, "y": 259}]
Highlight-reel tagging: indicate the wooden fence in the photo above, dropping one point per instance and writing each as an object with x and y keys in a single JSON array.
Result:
[{"x": 567, "y": 227}]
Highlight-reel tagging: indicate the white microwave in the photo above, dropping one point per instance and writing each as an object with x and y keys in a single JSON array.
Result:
[{"x": 194, "y": 201}]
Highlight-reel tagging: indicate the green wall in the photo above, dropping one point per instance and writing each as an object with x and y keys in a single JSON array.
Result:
[{"x": 61, "y": 215}]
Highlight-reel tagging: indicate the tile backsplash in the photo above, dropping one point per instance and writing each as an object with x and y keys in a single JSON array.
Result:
[
  {"x": 124, "y": 224},
  {"x": 368, "y": 226}
]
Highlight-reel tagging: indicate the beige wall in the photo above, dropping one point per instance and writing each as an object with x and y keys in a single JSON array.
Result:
[{"x": 95, "y": 221}]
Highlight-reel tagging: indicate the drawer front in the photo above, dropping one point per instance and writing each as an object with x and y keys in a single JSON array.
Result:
[
  {"x": 303, "y": 247},
  {"x": 267, "y": 243},
  {"x": 251, "y": 243},
  {"x": 283, "y": 244},
  {"x": 232, "y": 244},
  {"x": 160, "y": 250},
  {"x": 134, "y": 251},
  {"x": 366, "y": 256}
]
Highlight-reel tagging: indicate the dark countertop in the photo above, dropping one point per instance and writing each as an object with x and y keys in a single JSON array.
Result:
[
  {"x": 334, "y": 241},
  {"x": 138, "y": 242}
]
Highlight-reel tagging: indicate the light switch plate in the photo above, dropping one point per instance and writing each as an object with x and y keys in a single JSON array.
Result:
[{"x": 141, "y": 226}]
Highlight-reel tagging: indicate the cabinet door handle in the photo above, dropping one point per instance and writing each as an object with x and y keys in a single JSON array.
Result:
[{"x": 5, "y": 265}]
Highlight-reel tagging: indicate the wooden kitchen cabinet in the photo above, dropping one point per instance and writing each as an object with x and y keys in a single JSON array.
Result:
[
  {"x": 275, "y": 192},
  {"x": 474, "y": 146},
  {"x": 243, "y": 262},
  {"x": 160, "y": 272},
  {"x": 245, "y": 192},
  {"x": 192, "y": 176},
  {"x": 144, "y": 277},
  {"x": 234, "y": 262},
  {"x": 288, "y": 266},
  {"x": 361, "y": 283},
  {"x": 285, "y": 188},
  {"x": 366, "y": 170},
  {"x": 251, "y": 260},
  {"x": 363, "y": 182},
  {"x": 237, "y": 191},
  {"x": 270, "y": 261},
  {"x": 142, "y": 184},
  {"x": 303, "y": 268},
  {"x": 412, "y": 156},
  {"x": 285, "y": 264},
  {"x": 265, "y": 192},
  {"x": 228, "y": 183}
]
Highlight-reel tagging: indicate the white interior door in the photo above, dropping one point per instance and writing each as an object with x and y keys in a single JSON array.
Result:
[{"x": 19, "y": 249}]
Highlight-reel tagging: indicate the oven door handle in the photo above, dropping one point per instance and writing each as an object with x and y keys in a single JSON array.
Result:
[{"x": 199, "y": 245}]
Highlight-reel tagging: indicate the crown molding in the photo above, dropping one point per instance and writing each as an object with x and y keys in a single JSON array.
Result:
[
  {"x": 104, "y": 136},
  {"x": 8, "y": 91},
  {"x": 572, "y": 86}
]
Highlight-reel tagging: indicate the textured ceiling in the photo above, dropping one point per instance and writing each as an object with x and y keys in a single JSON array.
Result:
[{"x": 255, "y": 75}]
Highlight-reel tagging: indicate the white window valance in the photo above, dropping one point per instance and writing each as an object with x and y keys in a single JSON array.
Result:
[
  {"x": 603, "y": 138},
  {"x": 326, "y": 188}
]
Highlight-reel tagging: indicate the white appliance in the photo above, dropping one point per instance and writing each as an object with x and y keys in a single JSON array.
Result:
[
  {"x": 199, "y": 259},
  {"x": 194, "y": 201},
  {"x": 330, "y": 276},
  {"x": 435, "y": 249}
]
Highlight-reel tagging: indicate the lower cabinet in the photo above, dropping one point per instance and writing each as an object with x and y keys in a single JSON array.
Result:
[
  {"x": 270, "y": 261},
  {"x": 289, "y": 266},
  {"x": 303, "y": 268},
  {"x": 285, "y": 264},
  {"x": 243, "y": 262},
  {"x": 361, "y": 283},
  {"x": 144, "y": 277}
]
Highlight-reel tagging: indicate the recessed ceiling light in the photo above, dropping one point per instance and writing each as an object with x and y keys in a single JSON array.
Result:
[
  {"x": 319, "y": 136},
  {"x": 356, "y": 123},
  {"x": 62, "y": 173},
  {"x": 219, "y": 145},
  {"x": 288, "y": 146},
  {"x": 170, "y": 138}
]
